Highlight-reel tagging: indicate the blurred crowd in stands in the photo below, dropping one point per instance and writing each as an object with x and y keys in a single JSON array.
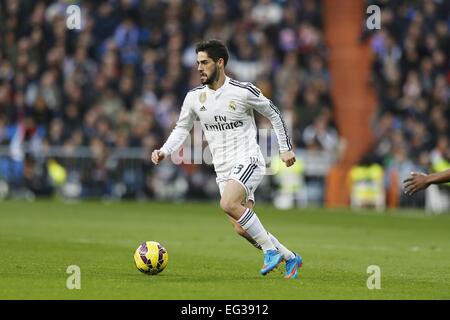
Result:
[
  {"x": 119, "y": 83},
  {"x": 411, "y": 74}
]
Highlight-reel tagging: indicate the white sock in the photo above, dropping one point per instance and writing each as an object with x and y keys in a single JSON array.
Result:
[
  {"x": 287, "y": 254},
  {"x": 250, "y": 223}
]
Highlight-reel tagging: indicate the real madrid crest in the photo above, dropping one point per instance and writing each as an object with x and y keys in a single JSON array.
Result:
[
  {"x": 202, "y": 97},
  {"x": 232, "y": 105}
]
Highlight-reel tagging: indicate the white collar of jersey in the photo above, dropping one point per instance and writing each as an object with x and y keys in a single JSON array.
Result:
[{"x": 219, "y": 90}]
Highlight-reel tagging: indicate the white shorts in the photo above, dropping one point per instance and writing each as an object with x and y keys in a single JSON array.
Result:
[{"x": 248, "y": 172}]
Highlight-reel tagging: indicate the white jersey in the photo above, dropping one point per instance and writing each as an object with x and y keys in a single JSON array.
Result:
[{"x": 227, "y": 119}]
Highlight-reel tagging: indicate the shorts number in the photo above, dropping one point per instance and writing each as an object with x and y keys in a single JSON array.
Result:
[{"x": 238, "y": 169}]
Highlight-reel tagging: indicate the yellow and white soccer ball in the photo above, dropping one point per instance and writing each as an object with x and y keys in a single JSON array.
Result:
[{"x": 151, "y": 257}]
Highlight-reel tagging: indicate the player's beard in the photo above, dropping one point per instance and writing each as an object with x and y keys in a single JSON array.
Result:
[{"x": 213, "y": 77}]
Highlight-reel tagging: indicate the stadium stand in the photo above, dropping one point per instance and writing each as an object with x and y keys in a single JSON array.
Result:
[
  {"x": 80, "y": 110},
  {"x": 411, "y": 74}
]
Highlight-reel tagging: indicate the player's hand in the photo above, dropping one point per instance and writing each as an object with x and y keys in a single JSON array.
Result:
[
  {"x": 415, "y": 182},
  {"x": 288, "y": 158},
  {"x": 157, "y": 156}
]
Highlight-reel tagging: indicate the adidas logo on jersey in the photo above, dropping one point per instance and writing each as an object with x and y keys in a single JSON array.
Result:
[{"x": 203, "y": 108}]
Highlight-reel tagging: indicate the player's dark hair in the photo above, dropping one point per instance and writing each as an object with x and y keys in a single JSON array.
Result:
[{"x": 215, "y": 50}]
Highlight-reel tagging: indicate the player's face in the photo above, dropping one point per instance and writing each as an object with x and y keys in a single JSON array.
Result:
[{"x": 207, "y": 68}]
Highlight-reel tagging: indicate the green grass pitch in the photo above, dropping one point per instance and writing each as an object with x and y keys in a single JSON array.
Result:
[{"x": 207, "y": 260}]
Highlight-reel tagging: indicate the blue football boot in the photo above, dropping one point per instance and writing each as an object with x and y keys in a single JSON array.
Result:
[
  {"x": 292, "y": 266},
  {"x": 272, "y": 259}
]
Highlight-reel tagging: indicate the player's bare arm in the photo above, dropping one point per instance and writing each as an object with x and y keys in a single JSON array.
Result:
[
  {"x": 288, "y": 158},
  {"x": 418, "y": 181}
]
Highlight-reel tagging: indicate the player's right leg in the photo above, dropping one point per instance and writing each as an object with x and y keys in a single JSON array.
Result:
[
  {"x": 240, "y": 231},
  {"x": 231, "y": 202},
  {"x": 293, "y": 260}
]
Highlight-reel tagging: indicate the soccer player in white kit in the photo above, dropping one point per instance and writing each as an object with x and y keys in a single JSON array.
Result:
[{"x": 225, "y": 109}]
